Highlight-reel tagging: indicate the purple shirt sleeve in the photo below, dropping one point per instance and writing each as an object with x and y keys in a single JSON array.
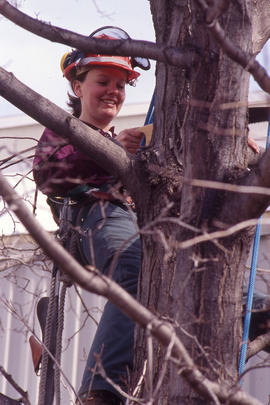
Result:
[{"x": 59, "y": 166}]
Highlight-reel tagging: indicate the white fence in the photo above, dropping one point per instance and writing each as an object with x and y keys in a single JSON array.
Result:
[{"x": 21, "y": 287}]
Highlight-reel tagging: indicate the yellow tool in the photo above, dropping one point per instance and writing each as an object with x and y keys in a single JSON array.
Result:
[{"x": 147, "y": 130}]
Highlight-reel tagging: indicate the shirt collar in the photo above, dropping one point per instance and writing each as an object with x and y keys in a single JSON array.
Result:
[{"x": 110, "y": 133}]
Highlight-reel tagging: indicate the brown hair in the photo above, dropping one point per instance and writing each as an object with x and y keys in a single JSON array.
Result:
[{"x": 74, "y": 102}]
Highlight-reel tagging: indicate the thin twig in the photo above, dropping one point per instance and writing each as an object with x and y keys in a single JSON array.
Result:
[
  {"x": 126, "y": 47},
  {"x": 11, "y": 380}
]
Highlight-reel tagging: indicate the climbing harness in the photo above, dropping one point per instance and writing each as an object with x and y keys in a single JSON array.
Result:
[{"x": 252, "y": 276}]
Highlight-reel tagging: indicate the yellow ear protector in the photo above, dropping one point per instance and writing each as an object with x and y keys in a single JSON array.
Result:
[{"x": 63, "y": 61}]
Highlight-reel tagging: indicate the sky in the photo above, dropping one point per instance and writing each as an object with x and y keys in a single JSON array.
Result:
[{"x": 36, "y": 61}]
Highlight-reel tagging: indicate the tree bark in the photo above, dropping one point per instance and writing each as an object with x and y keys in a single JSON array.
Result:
[
  {"x": 197, "y": 289},
  {"x": 260, "y": 15}
]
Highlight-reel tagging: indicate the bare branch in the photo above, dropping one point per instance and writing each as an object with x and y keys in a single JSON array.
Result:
[
  {"x": 93, "y": 281},
  {"x": 205, "y": 237},
  {"x": 146, "y": 49},
  {"x": 252, "y": 205},
  {"x": 258, "y": 344},
  {"x": 103, "y": 151},
  {"x": 235, "y": 188},
  {"x": 21, "y": 318},
  {"x": 15, "y": 155},
  {"x": 10, "y": 379},
  {"x": 252, "y": 195}
]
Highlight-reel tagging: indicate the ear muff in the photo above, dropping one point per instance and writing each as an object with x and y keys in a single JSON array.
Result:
[
  {"x": 62, "y": 62},
  {"x": 70, "y": 57}
]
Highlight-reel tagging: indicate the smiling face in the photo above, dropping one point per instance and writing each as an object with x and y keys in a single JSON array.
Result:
[{"x": 102, "y": 94}]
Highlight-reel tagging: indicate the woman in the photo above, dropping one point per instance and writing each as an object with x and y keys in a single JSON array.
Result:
[{"x": 63, "y": 173}]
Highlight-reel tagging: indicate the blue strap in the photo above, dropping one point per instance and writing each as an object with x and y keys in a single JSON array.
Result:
[
  {"x": 252, "y": 276},
  {"x": 149, "y": 116},
  {"x": 249, "y": 301}
]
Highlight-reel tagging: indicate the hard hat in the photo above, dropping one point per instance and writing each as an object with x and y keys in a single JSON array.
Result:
[{"x": 79, "y": 60}]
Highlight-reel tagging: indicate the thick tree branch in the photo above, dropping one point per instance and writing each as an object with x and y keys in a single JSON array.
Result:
[
  {"x": 252, "y": 205},
  {"x": 103, "y": 151},
  {"x": 94, "y": 282},
  {"x": 258, "y": 344},
  {"x": 247, "y": 61},
  {"x": 254, "y": 158},
  {"x": 145, "y": 49}
]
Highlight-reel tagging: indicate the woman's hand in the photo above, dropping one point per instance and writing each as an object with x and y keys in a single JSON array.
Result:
[
  {"x": 130, "y": 139},
  {"x": 253, "y": 145}
]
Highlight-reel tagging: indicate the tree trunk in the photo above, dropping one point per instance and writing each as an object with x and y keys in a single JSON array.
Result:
[{"x": 197, "y": 136}]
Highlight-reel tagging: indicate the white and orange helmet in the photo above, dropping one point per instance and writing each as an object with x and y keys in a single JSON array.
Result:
[{"x": 76, "y": 61}]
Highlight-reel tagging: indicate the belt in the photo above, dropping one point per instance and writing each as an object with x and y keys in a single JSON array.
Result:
[
  {"x": 89, "y": 197},
  {"x": 84, "y": 191}
]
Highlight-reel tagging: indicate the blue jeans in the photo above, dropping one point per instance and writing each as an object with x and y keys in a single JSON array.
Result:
[{"x": 105, "y": 232}]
